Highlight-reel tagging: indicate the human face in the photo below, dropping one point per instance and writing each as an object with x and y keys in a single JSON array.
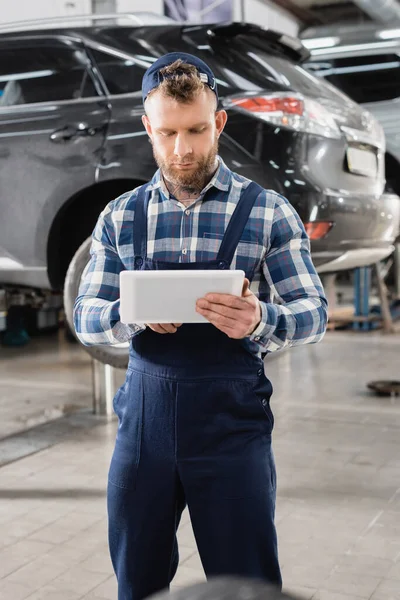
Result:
[{"x": 185, "y": 137}]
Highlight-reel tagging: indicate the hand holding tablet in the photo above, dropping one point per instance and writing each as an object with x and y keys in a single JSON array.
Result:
[
  {"x": 164, "y": 327},
  {"x": 170, "y": 296},
  {"x": 163, "y": 300}
]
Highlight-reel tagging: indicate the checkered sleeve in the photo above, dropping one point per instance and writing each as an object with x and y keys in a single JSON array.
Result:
[
  {"x": 298, "y": 314},
  {"x": 96, "y": 310}
]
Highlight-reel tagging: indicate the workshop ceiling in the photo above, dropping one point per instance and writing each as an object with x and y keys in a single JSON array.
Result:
[{"x": 319, "y": 12}]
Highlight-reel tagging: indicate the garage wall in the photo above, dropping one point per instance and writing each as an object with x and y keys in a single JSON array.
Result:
[
  {"x": 18, "y": 10},
  {"x": 268, "y": 15},
  {"x": 154, "y": 6},
  {"x": 256, "y": 11}
]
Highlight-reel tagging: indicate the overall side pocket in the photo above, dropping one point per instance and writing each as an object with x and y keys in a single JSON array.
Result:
[
  {"x": 264, "y": 392},
  {"x": 128, "y": 406}
]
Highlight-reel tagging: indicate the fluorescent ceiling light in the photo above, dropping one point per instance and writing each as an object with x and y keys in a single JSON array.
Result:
[
  {"x": 340, "y": 50},
  {"x": 358, "y": 69},
  {"x": 325, "y": 42},
  {"x": 388, "y": 34}
]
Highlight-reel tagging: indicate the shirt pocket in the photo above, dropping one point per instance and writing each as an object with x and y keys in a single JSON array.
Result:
[{"x": 248, "y": 255}]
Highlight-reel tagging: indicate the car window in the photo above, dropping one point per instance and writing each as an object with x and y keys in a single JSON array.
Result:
[
  {"x": 261, "y": 70},
  {"x": 121, "y": 76},
  {"x": 289, "y": 74},
  {"x": 43, "y": 74},
  {"x": 364, "y": 78}
]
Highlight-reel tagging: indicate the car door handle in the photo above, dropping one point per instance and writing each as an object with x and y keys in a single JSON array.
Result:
[{"x": 69, "y": 132}]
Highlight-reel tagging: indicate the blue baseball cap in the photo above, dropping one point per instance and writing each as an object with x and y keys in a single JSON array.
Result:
[{"x": 152, "y": 77}]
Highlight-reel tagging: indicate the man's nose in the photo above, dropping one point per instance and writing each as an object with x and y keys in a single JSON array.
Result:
[{"x": 182, "y": 146}]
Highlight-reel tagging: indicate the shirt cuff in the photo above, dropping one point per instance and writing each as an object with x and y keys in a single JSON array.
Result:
[
  {"x": 122, "y": 333},
  {"x": 136, "y": 328},
  {"x": 265, "y": 330}
]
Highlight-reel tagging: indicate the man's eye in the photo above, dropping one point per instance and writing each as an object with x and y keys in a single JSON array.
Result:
[
  {"x": 169, "y": 134},
  {"x": 197, "y": 130}
]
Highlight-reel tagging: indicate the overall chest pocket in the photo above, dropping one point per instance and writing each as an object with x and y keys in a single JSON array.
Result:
[{"x": 248, "y": 255}]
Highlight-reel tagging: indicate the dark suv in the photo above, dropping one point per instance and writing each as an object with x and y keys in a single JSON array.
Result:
[{"x": 72, "y": 140}]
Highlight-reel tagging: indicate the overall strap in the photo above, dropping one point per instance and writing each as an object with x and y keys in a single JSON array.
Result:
[
  {"x": 140, "y": 226},
  {"x": 237, "y": 223}
]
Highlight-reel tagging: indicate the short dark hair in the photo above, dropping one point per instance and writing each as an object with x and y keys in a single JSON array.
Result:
[{"x": 181, "y": 81}]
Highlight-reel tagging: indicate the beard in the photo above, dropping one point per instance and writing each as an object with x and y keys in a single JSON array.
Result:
[{"x": 196, "y": 179}]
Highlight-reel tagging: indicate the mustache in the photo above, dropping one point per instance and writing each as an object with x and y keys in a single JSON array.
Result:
[{"x": 203, "y": 165}]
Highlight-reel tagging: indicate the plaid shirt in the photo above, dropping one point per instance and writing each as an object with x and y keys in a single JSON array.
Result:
[{"x": 274, "y": 245}]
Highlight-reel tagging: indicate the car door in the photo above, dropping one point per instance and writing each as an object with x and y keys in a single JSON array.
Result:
[
  {"x": 127, "y": 152},
  {"x": 53, "y": 122}
]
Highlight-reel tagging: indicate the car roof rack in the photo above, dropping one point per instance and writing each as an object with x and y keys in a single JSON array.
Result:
[{"x": 139, "y": 18}]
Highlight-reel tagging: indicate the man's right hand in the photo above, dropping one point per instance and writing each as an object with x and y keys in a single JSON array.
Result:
[{"x": 164, "y": 327}]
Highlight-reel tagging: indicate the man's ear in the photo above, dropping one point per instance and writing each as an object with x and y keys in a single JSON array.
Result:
[
  {"x": 147, "y": 125},
  {"x": 221, "y": 118}
]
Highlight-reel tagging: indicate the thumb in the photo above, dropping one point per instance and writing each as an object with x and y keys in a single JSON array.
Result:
[{"x": 246, "y": 289}]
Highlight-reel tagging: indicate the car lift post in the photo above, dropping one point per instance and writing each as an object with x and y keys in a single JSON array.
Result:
[
  {"x": 362, "y": 285},
  {"x": 104, "y": 387},
  {"x": 362, "y": 289},
  {"x": 397, "y": 270},
  {"x": 387, "y": 321},
  {"x": 361, "y": 317}
]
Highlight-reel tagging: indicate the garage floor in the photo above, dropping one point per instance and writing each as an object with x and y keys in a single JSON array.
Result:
[{"x": 337, "y": 450}]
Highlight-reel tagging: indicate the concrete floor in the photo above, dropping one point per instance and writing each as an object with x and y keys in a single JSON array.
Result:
[{"x": 337, "y": 451}]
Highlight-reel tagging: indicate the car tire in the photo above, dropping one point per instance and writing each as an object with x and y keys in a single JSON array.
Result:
[
  {"x": 115, "y": 356},
  {"x": 69, "y": 334}
]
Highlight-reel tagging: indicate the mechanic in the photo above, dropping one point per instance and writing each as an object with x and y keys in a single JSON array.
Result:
[{"x": 194, "y": 413}]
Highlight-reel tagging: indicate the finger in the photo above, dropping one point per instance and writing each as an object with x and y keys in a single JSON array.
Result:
[
  {"x": 220, "y": 309},
  {"x": 226, "y": 300},
  {"x": 218, "y": 323},
  {"x": 236, "y": 321},
  {"x": 218, "y": 319},
  {"x": 177, "y": 324},
  {"x": 168, "y": 327},
  {"x": 246, "y": 288},
  {"x": 162, "y": 327},
  {"x": 157, "y": 328}
]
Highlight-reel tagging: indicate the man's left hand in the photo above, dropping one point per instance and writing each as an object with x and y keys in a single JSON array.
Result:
[{"x": 236, "y": 316}]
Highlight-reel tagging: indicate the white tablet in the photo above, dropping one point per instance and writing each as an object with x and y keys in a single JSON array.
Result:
[{"x": 170, "y": 296}]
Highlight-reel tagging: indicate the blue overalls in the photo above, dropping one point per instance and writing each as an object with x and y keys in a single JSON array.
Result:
[{"x": 194, "y": 428}]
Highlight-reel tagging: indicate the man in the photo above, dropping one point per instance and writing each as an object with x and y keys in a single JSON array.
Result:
[{"x": 194, "y": 413}]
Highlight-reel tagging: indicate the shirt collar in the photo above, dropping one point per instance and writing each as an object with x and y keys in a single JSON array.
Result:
[{"x": 221, "y": 180}]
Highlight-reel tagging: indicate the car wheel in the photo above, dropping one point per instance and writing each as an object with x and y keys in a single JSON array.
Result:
[
  {"x": 69, "y": 334},
  {"x": 116, "y": 356}
]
